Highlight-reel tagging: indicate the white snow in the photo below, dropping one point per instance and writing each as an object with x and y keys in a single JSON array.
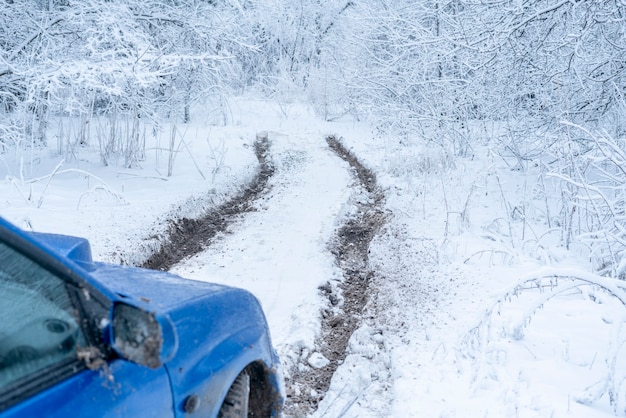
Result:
[
  {"x": 466, "y": 318},
  {"x": 317, "y": 361},
  {"x": 279, "y": 252}
]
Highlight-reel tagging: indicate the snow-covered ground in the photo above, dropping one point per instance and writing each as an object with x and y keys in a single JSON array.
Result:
[
  {"x": 476, "y": 313},
  {"x": 460, "y": 323}
]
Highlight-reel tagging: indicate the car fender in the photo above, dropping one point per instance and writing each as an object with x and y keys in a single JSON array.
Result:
[{"x": 208, "y": 381}]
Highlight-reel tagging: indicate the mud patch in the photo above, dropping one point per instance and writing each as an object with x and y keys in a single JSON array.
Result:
[
  {"x": 346, "y": 302},
  {"x": 186, "y": 237}
]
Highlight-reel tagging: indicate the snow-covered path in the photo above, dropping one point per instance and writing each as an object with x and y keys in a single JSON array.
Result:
[
  {"x": 437, "y": 273},
  {"x": 280, "y": 252}
]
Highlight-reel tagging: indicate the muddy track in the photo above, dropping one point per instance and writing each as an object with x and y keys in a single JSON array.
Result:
[
  {"x": 346, "y": 301},
  {"x": 186, "y": 237},
  {"x": 307, "y": 385}
]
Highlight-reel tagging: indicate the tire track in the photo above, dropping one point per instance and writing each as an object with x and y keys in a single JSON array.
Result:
[
  {"x": 186, "y": 237},
  {"x": 342, "y": 317}
]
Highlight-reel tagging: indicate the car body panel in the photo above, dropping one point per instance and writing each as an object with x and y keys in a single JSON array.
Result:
[
  {"x": 158, "y": 289},
  {"x": 219, "y": 331},
  {"x": 219, "y": 365},
  {"x": 75, "y": 249},
  {"x": 226, "y": 322},
  {"x": 124, "y": 389}
]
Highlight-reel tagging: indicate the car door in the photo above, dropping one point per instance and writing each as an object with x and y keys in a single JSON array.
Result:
[
  {"x": 53, "y": 361},
  {"x": 133, "y": 391}
]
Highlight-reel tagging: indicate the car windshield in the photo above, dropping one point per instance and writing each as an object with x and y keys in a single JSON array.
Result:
[{"x": 37, "y": 328}]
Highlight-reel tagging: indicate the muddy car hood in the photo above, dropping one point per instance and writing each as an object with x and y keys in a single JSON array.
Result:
[{"x": 162, "y": 290}]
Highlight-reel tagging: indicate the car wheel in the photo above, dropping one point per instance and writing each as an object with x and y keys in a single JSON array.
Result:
[{"x": 236, "y": 402}]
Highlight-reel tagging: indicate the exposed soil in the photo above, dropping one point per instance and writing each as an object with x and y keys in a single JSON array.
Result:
[
  {"x": 307, "y": 385},
  {"x": 186, "y": 237}
]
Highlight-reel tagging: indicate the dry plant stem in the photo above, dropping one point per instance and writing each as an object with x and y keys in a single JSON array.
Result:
[
  {"x": 171, "y": 155},
  {"x": 507, "y": 208},
  {"x": 445, "y": 202},
  {"x": 550, "y": 282},
  {"x": 56, "y": 169},
  {"x": 195, "y": 163}
]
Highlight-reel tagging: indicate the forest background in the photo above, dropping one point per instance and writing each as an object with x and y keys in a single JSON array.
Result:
[{"x": 550, "y": 73}]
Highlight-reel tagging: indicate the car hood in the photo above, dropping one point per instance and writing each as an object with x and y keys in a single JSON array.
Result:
[{"x": 162, "y": 290}]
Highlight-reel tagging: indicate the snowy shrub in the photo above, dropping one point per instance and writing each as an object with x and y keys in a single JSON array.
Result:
[
  {"x": 591, "y": 168},
  {"x": 132, "y": 62},
  {"x": 419, "y": 161},
  {"x": 511, "y": 341}
]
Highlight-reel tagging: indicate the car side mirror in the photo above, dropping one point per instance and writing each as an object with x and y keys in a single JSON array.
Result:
[{"x": 143, "y": 337}]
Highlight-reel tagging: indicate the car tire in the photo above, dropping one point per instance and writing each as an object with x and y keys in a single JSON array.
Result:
[{"x": 235, "y": 404}]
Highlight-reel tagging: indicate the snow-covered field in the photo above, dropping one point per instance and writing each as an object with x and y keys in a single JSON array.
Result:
[
  {"x": 475, "y": 316},
  {"x": 476, "y": 312}
]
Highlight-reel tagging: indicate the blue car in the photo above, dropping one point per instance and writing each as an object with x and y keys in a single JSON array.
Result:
[{"x": 80, "y": 338}]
